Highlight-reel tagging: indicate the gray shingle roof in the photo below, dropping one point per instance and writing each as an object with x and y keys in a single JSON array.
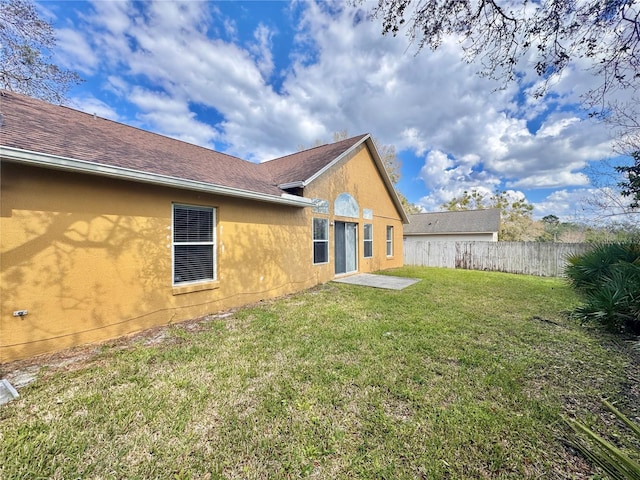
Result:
[{"x": 464, "y": 221}]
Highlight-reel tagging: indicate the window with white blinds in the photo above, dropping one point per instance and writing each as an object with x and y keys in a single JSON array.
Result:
[{"x": 193, "y": 244}]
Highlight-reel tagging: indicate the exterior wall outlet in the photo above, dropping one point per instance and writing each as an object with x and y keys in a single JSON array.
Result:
[{"x": 20, "y": 313}]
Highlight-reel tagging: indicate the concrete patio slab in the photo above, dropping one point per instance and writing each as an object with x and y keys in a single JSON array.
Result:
[
  {"x": 378, "y": 281},
  {"x": 7, "y": 392}
]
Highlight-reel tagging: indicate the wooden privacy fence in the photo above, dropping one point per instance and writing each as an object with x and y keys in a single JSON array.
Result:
[{"x": 530, "y": 258}]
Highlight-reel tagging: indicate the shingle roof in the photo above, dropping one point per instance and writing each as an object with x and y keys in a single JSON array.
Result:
[
  {"x": 38, "y": 126},
  {"x": 464, "y": 221},
  {"x": 302, "y": 166}
]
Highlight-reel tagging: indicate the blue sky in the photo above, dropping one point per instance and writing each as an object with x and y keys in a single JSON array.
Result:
[{"x": 259, "y": 79}]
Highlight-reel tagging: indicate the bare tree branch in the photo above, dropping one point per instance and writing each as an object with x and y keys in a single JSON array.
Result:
[
  {"x": 26, "y": 45},
  {"x": 554, "y": 33}
]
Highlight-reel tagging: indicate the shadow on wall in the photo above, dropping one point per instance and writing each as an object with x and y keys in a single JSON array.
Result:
[
  {"x": 79, "y": 260},
  {"x": 90, "y": 259},
  {"x": 77, "y": 273}
]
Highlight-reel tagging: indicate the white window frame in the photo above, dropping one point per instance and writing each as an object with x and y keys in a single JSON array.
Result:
[
  {"x": 325, "y": 240},
  {"x": 367, "y": 240},
  {"x": 389, "y": 240},
  {"x": 211, "y": 243}
]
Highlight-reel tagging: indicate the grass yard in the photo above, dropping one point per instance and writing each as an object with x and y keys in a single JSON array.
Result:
[{"x": 463, "y": 375}]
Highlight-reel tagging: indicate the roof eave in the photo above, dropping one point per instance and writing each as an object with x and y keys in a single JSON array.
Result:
[
  {"x": 81, "y": 166},
  {"x": 378, "y": 161},
  {"x": 289, "y": 185},
  {"x": 386, "y": 179}
]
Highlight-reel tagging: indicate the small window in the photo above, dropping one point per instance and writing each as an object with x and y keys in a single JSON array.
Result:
[
  {"x": 193, "y": 244},
  {"x": 346, "y": 206},
  {"x": 320, "y": 240},
  {"x": 320, "y": 206},
  {"x": 368, "y": 240},
  {"x": 389, "y": 241}
]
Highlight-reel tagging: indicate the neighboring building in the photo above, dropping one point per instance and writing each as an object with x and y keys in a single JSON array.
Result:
[
  {"x": 107, "y": 230},
  {"x": 458, "y": 226}
]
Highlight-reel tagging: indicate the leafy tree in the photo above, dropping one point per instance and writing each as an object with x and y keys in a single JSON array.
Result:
[
  {"x": 516, "y": 214},
  {"x": 26, "y": 45},
  {"x": 566, "y": 232},
  {"x": 571, "y": 232},
  {"x": 473, "y": 200},
  {"x": 612, "y": 232},
  {"x": 551, "y": 224},
  {"x": 568, "y": 235},
  {"x": 409, "y": 207},
  {"x": 547, "y": 35},
  {"x": 631, "y": 184}
]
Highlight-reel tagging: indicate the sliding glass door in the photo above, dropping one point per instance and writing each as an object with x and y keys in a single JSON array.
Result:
[{"x": 346, "y": 247}]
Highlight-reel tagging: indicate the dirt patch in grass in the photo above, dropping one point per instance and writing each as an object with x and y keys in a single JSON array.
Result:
[{"x": 22, "y": 372}]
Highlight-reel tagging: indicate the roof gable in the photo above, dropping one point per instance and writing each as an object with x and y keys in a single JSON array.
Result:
[
  {"x": 462, "y": 221},
  {"x": 301, "y": 168}
]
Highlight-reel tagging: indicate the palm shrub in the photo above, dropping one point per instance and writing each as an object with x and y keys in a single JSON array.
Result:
[{"x": 608, "y": 279}]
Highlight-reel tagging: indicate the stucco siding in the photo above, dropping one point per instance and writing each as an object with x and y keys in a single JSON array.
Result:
[
  {"x": 358, "y": 176},
  {"x": 90, "y": 258}
]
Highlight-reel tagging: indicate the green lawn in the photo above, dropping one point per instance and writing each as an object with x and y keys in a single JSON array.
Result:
[{"x": 463, "y": 375}]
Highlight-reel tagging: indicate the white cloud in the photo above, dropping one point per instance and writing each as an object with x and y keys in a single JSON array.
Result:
[
  {"x": 117, "y": 85},
  {"x": 109, "y": 31},
  {"x": 94, "y": 106},
  {"x": 75, "y": 52},
  {"x": 172, "y": 116},
  {"x": 447, "y": 178},
  {"x": 262, "y": 50},
  {"x": 556, "y": 128},
  {"x": 344, "y": 74},
  {"x": 550, "y": 180},
  {"x": 568, "y": 205}
]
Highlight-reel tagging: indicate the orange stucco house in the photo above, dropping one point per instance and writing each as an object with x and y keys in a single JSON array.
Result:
[{"x": 106, "y": 229}]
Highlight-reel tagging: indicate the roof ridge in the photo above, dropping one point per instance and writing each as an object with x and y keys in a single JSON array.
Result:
[{"x": 454, "y": 221}]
